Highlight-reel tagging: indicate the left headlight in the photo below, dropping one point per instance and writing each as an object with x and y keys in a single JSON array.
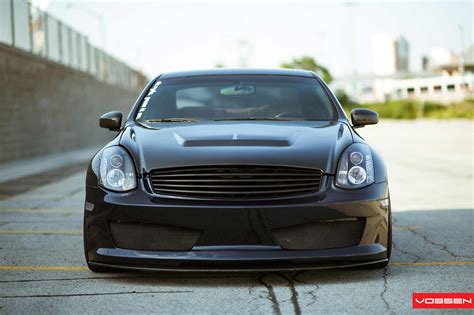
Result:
[
  {"x": 355, "y": 168},
  {"x": 117, "y": 171}
]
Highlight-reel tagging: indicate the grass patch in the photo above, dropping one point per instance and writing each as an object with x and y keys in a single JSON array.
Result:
[{"x": 411, "y": 109}]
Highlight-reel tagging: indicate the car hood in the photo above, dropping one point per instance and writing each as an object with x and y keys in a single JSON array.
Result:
[{"x": 301, "y": 144}]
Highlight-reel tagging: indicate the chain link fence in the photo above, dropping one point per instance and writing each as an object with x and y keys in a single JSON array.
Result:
[{"x": 26, "y": 27}]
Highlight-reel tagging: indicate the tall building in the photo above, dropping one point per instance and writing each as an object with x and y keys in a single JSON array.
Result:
[
  {"x": 401, "y": 54},
  {"x": 390, "y": 55},
  {"x": 425, "y": 63}
]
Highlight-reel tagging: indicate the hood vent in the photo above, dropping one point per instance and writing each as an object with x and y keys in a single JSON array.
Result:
[{"x": 234, "y": 140}]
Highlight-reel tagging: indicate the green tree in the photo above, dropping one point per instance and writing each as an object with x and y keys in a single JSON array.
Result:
[{"x": 308, "y": 63}]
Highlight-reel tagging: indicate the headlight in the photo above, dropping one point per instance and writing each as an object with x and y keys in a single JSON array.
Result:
[
  {"x": 117, "y": 171},
  {"x": 356, "y": 168}
]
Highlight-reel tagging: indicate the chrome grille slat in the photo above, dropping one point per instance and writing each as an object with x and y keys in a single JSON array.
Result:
[{"x": 235, "y": 182}]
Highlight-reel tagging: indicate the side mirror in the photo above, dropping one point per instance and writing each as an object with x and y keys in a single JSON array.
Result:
[
  {"x": 363, "y": 116},
  {"x": 111, "y": 121}
]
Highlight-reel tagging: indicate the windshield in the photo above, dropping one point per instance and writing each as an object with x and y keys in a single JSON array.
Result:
[{"x": 235, "y": 97}]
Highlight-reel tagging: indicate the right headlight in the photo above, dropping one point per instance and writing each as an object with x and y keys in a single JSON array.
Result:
[
  {"x": 355, "y": 168},
  {"x": 117, "y": 171}
]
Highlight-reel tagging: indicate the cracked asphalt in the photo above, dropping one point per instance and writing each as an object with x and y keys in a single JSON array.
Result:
[{"x": 431, "y": 180}]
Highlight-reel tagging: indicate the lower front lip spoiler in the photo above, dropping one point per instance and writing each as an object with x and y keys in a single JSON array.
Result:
[
  {"x": 240, "y": 260},
  {"x": 348, "y": 254},
  {"x": 249, "y": 269}
]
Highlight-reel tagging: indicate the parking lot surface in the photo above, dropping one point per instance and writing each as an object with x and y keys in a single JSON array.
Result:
[{"x": 430, "y": 164}]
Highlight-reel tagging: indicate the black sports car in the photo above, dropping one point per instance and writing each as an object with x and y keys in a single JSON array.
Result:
[{"x": 237, "y": 170}]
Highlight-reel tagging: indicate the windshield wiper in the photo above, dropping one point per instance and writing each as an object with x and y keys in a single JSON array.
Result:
[
  {"x": 259, "y": 118},
  {"x": 170, "y": 120}
]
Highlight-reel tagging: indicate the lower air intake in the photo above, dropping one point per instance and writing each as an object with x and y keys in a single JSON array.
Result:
[
  {"x": 153, "y": 237},
  {"x": 320, "y": 235}
]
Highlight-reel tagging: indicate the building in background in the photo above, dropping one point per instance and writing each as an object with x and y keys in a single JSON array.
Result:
[
  {"x": 425, "y": 63},
  {"x": 402, "y": 54},
  {"x": 390, "y": 55},
  {"x": 441, "y": 86},
  {"x": 446, "y": 76},
  {"x": 439, "y": 56}
]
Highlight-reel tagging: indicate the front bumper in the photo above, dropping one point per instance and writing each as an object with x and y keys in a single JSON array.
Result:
[{"x": 236, "y": 237}]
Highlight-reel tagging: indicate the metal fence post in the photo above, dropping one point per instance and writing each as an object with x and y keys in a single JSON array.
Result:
[
  {"x": 78, "y": 50},
  {"x": 30, "y": 27},
  {"x": 12, "y": 14},
  {"x": 45, "y": 34},
  {"x": 69, "y": 35},
  {"x": 60, "y": 41}
]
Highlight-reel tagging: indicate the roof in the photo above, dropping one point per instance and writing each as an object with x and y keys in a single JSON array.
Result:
[{"x": 243, "y": 71}]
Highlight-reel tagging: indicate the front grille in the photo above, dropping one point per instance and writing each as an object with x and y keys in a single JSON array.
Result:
[
  {"x": 235, "y": 182},
  {"x": 321, "y": 235},
  {"x": 151, "y": 237}
]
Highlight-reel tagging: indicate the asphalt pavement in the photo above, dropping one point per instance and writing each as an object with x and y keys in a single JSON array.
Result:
[{"x": 42, "y": 269}]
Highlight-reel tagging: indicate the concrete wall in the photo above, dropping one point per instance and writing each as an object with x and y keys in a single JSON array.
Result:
[{"x": 47, "y": 108}]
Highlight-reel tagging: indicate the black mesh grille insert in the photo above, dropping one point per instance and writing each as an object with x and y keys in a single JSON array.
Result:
[
  {"x": 152, "y": 237},
  {"x": 235, "y": 182},
  {"x": 320, "y": 235}
]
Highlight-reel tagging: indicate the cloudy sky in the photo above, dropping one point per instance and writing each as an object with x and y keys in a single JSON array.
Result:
[{"x": 167, "y": 35}]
